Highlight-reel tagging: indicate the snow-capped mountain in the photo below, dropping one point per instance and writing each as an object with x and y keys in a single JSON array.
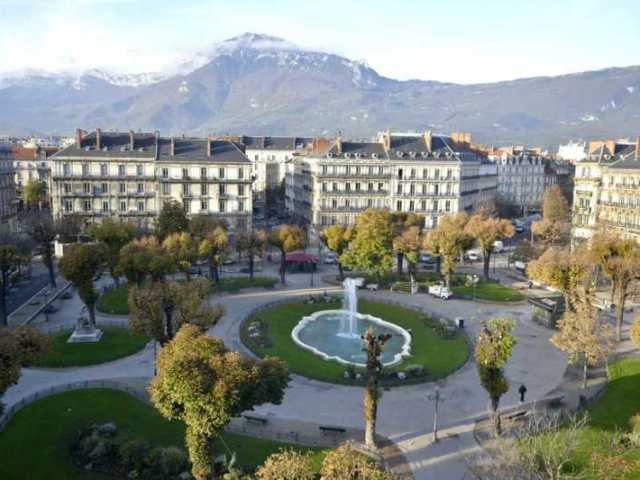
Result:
[{"x": 267, "y": 85}]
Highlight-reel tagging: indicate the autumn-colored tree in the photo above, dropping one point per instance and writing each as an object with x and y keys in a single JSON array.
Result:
[
  {"x": 409, "y": 243},
  {"x": 113, "y": 236},
  {"x": 634, "y": 332},
  {"x": 373, "y": 345},
  {"x": 251, "y": 244},
  {"x": 160, "y": 309},
  {"x": 42, "y": 229},
  {"x": 287, "y": 238},
  {"x": 619, "y": 259},
  {"x": 172, "y": 219},
  {"x": 486, "y": 231},
  {"x": 555, "y": 225},
  {"x": 337, "y": 239},
  {"x": 143, "y": 258},
  {"x": 80, "y": 265},
  {"x": 449, "y": 240},
  {"x": 19, "y": 348},
  {"x": 181, "y": 250},
  {"x": 567, "y": 271},
  {"x": 371, "y": 249},
  {"x": 205, "y": 385},
  {"x": 35, "y": 194},
  {"x": 287, "y": 465},
  {"x": 69, "y": 227},
  {"x": 582, "y": 336},
  {"x": 346, "y": 463},
  {"x": 9, "y": 260},
  {"x": 494, "y": 347},
  {"x": 213, "y": 246},
  {"x": 401, "y": 221}
]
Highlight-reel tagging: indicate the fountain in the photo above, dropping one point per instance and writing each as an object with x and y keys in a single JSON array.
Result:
[{"x": 336, "y": 334}]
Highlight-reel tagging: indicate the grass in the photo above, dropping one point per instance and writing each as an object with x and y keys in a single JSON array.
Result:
[
  {"x": 438, "y": 356},
  {"x": 116, "y": 342},
  {"x": 115, "y": 301},
  {"x": 234, "y": 284},
  {"x": 35, "y": 444},
  {"x": 489, "y": 290}
]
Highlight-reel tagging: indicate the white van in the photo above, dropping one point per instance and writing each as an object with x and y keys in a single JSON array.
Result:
[{"x": 498, "y": 246}]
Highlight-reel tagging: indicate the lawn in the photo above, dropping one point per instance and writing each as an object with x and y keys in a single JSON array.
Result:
[
  {"x": 489, "y": 290},
  {"x": 438, "y": 356},
  {"x": 234, "y": 284},
  {"x": 35, "y": 444},
  {"x": 115, "y": 301},
  {"x": 116, "y": 342}
]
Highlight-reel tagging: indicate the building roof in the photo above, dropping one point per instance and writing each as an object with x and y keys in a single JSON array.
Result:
[
  {"x": 275, "y": 143},
  {"x": 190, "y": 149},
  {"x": 112, "y": 145},
  {"x": 357, "y": 150}
]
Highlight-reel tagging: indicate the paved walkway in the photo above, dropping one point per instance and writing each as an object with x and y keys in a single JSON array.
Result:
[{"x": 405, "y": 414}]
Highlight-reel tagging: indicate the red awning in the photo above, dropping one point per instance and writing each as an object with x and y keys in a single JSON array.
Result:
[{"x": 300, "y": 257}]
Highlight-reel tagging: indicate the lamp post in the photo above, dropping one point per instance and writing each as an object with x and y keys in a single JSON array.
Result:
[
  {"x": 437, "y": 398},
  {"x": 474, "y": 280}
]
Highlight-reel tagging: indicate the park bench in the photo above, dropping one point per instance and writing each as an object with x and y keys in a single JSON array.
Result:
[
  {"x": 372, "y": 287},
  {"x": 256, "y": 419},
  {"x": 331, "y": 429}
]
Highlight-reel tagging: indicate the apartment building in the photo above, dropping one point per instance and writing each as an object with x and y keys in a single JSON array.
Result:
[
  {"x": 607, "y": 190},
  {"x": 31, "y": 163},
  {"x": 129, "y": 176},
  {"x": 424, "y": 173},
  {"x": 8, "y": 200}
]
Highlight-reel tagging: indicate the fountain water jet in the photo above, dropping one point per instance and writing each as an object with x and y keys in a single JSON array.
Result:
[{"x": 348, "y": 323}]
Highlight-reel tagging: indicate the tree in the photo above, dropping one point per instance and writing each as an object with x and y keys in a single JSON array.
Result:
[
  {"x": 634, "y": 331},
  {"x": 80, "y": 265},
  {"x": 486, "y": 231},
  {"x": 213, "y": 247},
  {"x": 287, "y": 465},
  {"x": 337, "y": 239},
  {"x": 143, "y": 258},
  {"x": 205, "y": 385},
  {"x": 181, "y": 250},
  {"x": 494, "y": 347},
  {"x": 619, "y": 259},
  {"x": 113, "y": 236},
  {"x": 555, "y": 225},
  {"x": 19, "y": 348},
  {"x": 287, "y": 238},
  {"x": 346, "y": 463},
  {"x": 252, "y": 244},
  {"x": 35, "y": 194},
  {"x": 9, "y": 261},
  {"x": 409, "y": 243},
  {"x": 42, "y": 229},
  {"x": 449, "y": 240},
  {"x": 373, "y": 345},
  {"x": 172, "y": 219},
  {"x": 371, "y": 249},
  {"x": 581, "y": 335},
  {"x": 566, "y": 271},
  {"x": 160, "y": 309},
  {"x": 401, "y": 221},
  {"x": 69, "y": 227}
]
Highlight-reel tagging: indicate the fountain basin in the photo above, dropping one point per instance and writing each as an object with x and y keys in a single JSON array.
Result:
[{"x": 323, "y": 334}]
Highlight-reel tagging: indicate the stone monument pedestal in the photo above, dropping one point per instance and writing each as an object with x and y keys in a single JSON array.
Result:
[{"x": 85, "y": 332}]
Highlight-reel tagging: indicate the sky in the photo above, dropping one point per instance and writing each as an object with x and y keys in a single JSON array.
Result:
[{"x": 463, "y": 41}]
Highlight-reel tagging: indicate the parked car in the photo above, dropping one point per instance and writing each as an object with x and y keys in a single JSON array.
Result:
[
  {"x": 473, "y": 256},
  {"x": 498, "y": 246},
  {"x": 427, "y": 258},
  {"x": 440, "y": 291},
  {"x": 330, "y": 258},
  {"x": 520, "y": 266}
]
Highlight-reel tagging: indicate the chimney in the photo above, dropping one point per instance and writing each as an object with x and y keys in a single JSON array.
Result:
[
  {"x": 209, "y": 146},
  {"x": 98, "y": 139},
  {"x": 173, "y": 146},
  {"x": 132, "y": 143},
  {"x": 339, "y": 144},
  {"x": 79, "y": 135},
  {"x": 386, "y": 140},
  {"x": 637, "y": 148},
  {"x": 427, "y": 140},
  {"x": 611, "y": 146}
]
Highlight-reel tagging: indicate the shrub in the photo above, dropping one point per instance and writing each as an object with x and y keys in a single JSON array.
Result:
[
  {"x": 635, "y": 332},
  {"x": 287, "y": 465},
  {"x": 133, "y": 454},
  {"x": 345, "y": 463}
]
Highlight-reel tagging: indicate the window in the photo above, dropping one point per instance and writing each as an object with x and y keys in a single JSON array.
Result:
[
  {"x": 449, "y": 173},
  {"x": 324, "y": 170},
  {"x": 358, "y": 187},
  {"x": 380, "y": 171},
  {"x": 221, "y": 172},
  {"x": 104, "y": 188},
  {"x": 400, "y": 173},
  {"x": 185, "y": 173},
  {"x": 166, "y": 189},
  {"x": 369, "y": 203},
  {"x": 436, "y": 173},
  {"x": 399, "y": 190},
  {"x": 85, "y": 169},
  {"x": 123, "y": 188},
  {"x": 240, "y": 173},
  {"x": 348, "y": 187},
  {"x": 241, "y": 190},
  {"x": 399, "y": 205},
  {"x": 380, "y": 187},
  {"x": 204, "y": 205},
  {"x": 412, "y": 189},
  {"x": 139, "y": 170},
  {"x": 411, "y": 206},
  {"x": 241, "y": 205},
  {"x": 413, "y": 173},
  {"x": 121, "y": 170},
  {"x": 370, "y": 187},
  {"x": 123, "y": 206},
  {"x": 436, "y": 189},
  {"x": 105, "y": 207},
  {"x": 87, "y": 205},
  {"x": 186, "y": 204},
  {"x": 203, "y": 172},
  {"x": 68, "y": 206},
  {"x": 223, "y": 189},
  {"x": 186, "y": 188},
  {"x": 86, "y": 187},
  {"x": 141, "y": 206},
  {"x": 104, "y": 170},
  {"x": 358, "y": 170},
  {"x": 324, "y": 186},
  {"x": 423, "y": 205},
  {"x": 66, "y": 169},
  {"x": 222, "y": 206},
  {"x": 67, "y": 188},
  {"x": 165, "y": 173},
  {"x": 447, "y": 206},
  {"x": 334, "y": 187},
  {"x": 204, "y": 189},
  {"x": 140, "y": 187},
  {"x": 334, "y": 203},
  {"x": 256, "y": 158}
]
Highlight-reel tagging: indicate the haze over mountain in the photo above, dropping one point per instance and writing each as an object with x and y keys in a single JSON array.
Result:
[{"x": 265, "y": 85}]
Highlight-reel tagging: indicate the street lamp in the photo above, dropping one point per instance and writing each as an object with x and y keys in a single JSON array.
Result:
[
  {"x": 474, "y": 280},
  {"x": 437, "y": 398}
]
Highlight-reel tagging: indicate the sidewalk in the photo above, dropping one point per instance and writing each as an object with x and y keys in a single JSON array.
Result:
[{"x": 38, "y": 303}]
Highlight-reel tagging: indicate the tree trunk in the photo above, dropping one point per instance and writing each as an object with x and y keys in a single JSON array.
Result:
[
  {"x": 400, "y": 262},
  {"x": 283, "y": 263},
  {"x": 3, "y": 301},
  {"x": 447, "y": 279},
  {"x": 251, "y": 266},
  {"x": 116, "y": 278},
  {"x": 622, "y": 298},
  {"x": 91, "y": 308},
  {"x": 486, "y": 260},
  {"x": 585, "y": 369},
  {"x": 370, "y": 414},
  {"x": 47, "y": 256},
  {"x": 495, "y": 414},
  {"x": 341, "y": 272},
  {"x": 168, "y": 319}
]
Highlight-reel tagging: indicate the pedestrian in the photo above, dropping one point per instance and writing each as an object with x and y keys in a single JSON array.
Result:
[{"x": 522, "y": 391}]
